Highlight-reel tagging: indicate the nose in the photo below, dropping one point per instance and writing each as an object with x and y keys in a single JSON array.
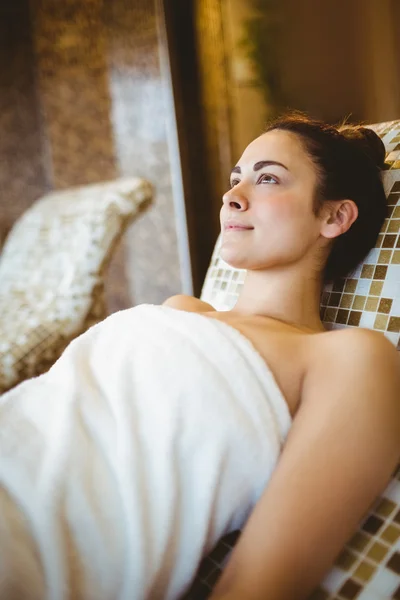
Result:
[{"x": 235, "y": 199}]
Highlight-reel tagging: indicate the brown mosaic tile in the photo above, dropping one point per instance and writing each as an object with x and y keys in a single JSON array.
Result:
[
  {"x": 338, "y": 286},
  {"x": 342, "y": 316},
  {"x": 388, "y": 242},
  {"x": 380, "y": 272},
  {"x": 373, "y": 524},
  {"x": 394, "y": 563},
  {"x": 396, "y": 595},
  {"x": 367, "y": 271},
  {"x": 334, "y": 299},
  {"x": 394, "y": 324},
  {"x": 350, "y": 589},
  {"x": 351, "y": 285},
  {"x": 385, "y": 305},
  {"x": 354, "y": 318}
]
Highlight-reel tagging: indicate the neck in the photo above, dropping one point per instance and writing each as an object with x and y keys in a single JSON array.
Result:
[{"x": 289, "y": 297}]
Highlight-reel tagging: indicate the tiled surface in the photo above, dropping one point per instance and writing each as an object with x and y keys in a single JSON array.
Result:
[{"x": 368, "y": 568}]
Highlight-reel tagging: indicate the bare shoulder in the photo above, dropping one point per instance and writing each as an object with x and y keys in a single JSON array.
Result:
[
  {"x": 357, "y": 344},
  {"x": 188, "y": 303},
  {"x": 354, "y": 357}
]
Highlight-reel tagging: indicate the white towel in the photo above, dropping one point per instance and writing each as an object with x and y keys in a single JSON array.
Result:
[{"x": 152, "y": 436}]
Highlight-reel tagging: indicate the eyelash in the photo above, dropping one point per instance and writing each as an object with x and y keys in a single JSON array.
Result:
[{"x": 260, "y": 179}]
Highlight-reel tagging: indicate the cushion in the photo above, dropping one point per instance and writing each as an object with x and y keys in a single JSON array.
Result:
[
  {"x": 368, "y": 568},
  {"x": 51, "y": 271}
]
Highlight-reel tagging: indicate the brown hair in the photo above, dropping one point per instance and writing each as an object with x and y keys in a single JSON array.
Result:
[{"x": 349, "y": 160}]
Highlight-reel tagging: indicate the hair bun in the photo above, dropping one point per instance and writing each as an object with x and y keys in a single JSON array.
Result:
[{"x": 368, "y": 141}]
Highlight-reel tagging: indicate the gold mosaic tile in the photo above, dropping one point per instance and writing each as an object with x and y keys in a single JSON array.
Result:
[
  {"x": 346, "y": 301},
  {"x": 377, "y": 552},
  {"x": 394, "y": 226},
  {"x": 376, "y": 288},
  {"x": 359, "y": 302},
  {"x": 364, "y": 571},
  {"x": 380, "y": 322},
  {"x": 350, "y": 285},
  {"x": 367, "y": 271},
  {"x": 385, "y": 508},
  {"x": 391, "y": 534},
  {"x": 372, "y": 304}
]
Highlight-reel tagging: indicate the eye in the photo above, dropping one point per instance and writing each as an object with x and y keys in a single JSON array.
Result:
[
  {"x": 267, "y": 179},
  {"x": 234, "y": 182}
]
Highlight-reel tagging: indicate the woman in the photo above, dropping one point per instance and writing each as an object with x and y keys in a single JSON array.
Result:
[{"x": 118, "y": 493}]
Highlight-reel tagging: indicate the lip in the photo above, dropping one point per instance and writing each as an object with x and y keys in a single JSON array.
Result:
[{"x": 228, "y": 226}]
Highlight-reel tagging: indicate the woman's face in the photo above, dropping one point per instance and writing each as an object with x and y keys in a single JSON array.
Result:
[{"x": 271, "y": 195}]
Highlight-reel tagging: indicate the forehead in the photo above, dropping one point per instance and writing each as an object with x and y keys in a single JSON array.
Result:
[{"x": 282, "y": 146}]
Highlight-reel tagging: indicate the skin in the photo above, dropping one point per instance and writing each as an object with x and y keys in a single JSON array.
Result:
[
  {"x": 288, "y": 247},
  {"x": 341, "y": 386}
]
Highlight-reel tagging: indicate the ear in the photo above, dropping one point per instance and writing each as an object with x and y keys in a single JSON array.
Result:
[{"x": 338, "y": 218}]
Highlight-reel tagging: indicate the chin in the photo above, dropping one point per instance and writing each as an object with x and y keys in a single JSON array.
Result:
[{"x": 234, "y": 259}]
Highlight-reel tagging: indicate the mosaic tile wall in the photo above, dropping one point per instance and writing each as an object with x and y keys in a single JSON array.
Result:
[{"x": 82, "y": 101}]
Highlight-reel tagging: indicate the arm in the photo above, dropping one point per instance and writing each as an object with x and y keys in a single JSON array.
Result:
[
  {"x": 343, "y": 446},
  {"x": 188, "y": 303}
]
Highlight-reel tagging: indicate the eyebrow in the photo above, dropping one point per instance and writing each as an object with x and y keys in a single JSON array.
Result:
[{"x": 260, "y": 164}]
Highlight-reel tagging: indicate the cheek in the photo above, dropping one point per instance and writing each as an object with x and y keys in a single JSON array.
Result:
[{"x": 285, "y": 227}]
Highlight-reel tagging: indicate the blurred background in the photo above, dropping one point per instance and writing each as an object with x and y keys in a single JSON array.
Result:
[{"x": 172, "y": 91}]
